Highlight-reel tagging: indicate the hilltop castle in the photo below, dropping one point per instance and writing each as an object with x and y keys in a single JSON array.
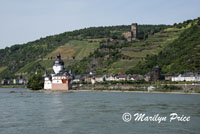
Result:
[
  {"x": 60, "y": 79},
  {"x": 133, "y": 34}
]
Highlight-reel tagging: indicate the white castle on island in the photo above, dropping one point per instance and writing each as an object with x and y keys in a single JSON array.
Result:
[{"x": 60, "y": 79}]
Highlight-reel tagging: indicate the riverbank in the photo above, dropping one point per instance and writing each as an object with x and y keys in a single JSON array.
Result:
[
  {"x": 120, "y": 91},
  {"x": 128, "y": 91},
  {"x": 140, "y": 88},
  {"x": 12, "y": 86},
  {"x": 179, "y": 88}
]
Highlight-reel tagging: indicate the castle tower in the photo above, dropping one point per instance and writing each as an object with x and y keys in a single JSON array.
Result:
[
  {"x": 60, "y": 79},
  {"x": 157, "y": 73},
  {"x": 134, "y": 31},
  {"x": 133, "y": 34},
  {"x": 58, "y": 65}
]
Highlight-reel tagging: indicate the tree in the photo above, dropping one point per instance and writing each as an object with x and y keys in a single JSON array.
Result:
[{"x": 35, "y": 82}]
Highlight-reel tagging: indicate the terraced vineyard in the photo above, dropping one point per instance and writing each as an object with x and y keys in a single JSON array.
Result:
[
  {"x": 100, "y": 49},
  {"x": 75, "y": 49},
  {"x": 153, "y": 44},
  {"x": 139, "y": 50}
]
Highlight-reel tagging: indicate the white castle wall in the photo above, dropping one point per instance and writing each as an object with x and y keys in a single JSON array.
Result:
[
  {"x": 57, "y": 83},
  {"x": 47, "y": 83},
  {"x": 58, "y": 79}
]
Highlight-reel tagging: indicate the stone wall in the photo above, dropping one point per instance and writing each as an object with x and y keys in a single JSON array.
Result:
[{"x": 133, "y": 34}]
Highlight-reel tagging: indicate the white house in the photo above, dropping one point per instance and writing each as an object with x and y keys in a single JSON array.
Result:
[
  {"x": 111, "y": 78},
  {"x": 186, "y": 77},
  {"x": 99, "y": 79}
]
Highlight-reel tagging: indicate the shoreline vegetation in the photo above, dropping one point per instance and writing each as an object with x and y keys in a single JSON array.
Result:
[
  {"x": 13, "y": 86},
  {"x": 141, "y": 88}
]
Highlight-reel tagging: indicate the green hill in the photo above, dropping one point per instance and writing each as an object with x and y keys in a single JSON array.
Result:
[
  {"x": 138, "y": 57},
  {"x": 181, "y": 55},
  {"x": 37, "y": 55},
  {"x": 75, "y": 49},
  {"x": 105, "y": 50},
  {"x": 138, "y": 51}
]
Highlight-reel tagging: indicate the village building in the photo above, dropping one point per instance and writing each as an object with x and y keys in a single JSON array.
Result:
[
  {"x": 3, "y": 81},
  {"x": 60, "y": 79},
  {"x": 99, "y": 78},
  {"x": 168, "y": 77},
  {"x": 88, "y": 79},
  {"x": 148, "y": 76},
  {"x": 135, "y": 77},
  {"x": 21, "y": 81},
  {"x": 9, "y": 82},
  {"x": 77, "y": 79},
  {"x": 187, "y": 77},
  {"x": 130, "y": 78},
  {"x": 155, "y": 75},
  {"x": 111, "y": 78},
  {"x": 93, "y": 81},
  {"x": 14, "y": 81}
]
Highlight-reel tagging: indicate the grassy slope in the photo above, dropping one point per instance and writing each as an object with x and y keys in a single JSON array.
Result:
[
  {"x": 2, "y": 68},
  {"x": 139, "y": 50},
  {"x": 33, "y": 55},
  {"x": 75, "y": 48},
  {"x": 122, "y": 66},
  {"x": 153, "y": 44},
  {"x": 181, "y": 55},
  {"x": 42, "y": 65}
]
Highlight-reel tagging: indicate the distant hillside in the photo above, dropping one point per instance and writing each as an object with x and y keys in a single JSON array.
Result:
[
  {"x": 36, "y": 55},
  {"x": 181, "y": 55},
  {"x": 77, "y": 49},
  {"x": 135, "y": 57}
]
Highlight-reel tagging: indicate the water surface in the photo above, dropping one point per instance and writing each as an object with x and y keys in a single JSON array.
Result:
[{"x": 94, "y": 112}]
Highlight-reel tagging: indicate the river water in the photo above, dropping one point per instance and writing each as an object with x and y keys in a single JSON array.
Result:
[{"x": 95, "y": 112}]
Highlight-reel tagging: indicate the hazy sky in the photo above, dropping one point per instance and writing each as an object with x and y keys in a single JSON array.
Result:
[{"x": 22, "y": 21}]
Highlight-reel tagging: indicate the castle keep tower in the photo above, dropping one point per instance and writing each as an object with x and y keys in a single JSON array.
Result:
[
  {"x": 133, "y": 34},
  {"x": 134, "y": 31}
]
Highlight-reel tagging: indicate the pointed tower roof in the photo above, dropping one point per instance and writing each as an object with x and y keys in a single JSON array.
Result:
[
  {"x": 58, "y": 56},
  {"x": 59, "y": 61}
]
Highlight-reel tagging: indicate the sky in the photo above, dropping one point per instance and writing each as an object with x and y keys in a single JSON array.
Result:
[{"x": 22, "y": 21}]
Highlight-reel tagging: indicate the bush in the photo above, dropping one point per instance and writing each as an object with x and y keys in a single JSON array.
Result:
[
  {"x": 35, "y": 82},
  {"x": 171, "y": 87}
]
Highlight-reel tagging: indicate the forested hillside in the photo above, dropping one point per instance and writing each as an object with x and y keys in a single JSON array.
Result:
[
  {"x": 180, "y": 56},
  {"x": 104, "y": 50},
  {"x": 26, "y": 58},
  {"x": 165, "y": 48}
]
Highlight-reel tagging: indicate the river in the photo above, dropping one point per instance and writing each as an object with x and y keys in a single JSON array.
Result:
[{"x": 95, "y": 112}]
